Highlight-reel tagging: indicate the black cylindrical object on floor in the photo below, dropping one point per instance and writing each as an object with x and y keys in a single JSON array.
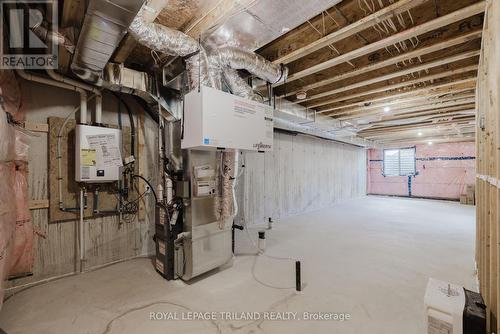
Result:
[{"x": 298, "y": 283}]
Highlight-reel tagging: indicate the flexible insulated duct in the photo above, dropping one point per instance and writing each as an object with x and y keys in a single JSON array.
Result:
[
  {"x": 259, "y": 66},
  {"x": 239, "y": 86},
  {"x": 161, "y": 38}
]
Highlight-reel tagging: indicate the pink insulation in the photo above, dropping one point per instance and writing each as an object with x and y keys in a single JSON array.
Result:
[
  {"x": 7, "y": 218},
  {"x": 11, "y": 94},
  {"x": 16, "y": 229},
  {"x": 444, "y": 171},
  {"x": 21, "y": 261}
]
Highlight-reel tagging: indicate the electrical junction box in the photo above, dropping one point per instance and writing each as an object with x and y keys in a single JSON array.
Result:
[
  {"x": 97, "y": 154},
  {"x": 214, "y": 119}
]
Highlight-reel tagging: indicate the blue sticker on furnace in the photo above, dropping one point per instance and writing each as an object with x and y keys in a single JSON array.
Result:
[{"x": 206, "y": 141}]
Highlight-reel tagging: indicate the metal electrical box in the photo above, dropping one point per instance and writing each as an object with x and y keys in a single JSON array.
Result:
[
  {"x": 97, "y": 154},
  {"x": 214, "y": 119}
]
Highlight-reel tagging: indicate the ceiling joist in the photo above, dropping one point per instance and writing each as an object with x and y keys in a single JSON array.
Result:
[{"x": 456, "y": 16}]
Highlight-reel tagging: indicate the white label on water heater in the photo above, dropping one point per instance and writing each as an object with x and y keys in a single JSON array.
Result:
[{"x": 107, "y": 150}]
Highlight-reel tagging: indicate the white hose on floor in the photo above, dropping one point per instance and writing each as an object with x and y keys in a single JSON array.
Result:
[{"x": 260, "y": 252}]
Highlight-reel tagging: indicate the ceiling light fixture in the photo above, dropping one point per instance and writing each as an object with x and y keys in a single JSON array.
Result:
[
  {"x": 387, "y": 109},
  {"x": 429, "y": 143},
  {"x": 420, "y": 134},
  {"x": 301, "y": 95}
]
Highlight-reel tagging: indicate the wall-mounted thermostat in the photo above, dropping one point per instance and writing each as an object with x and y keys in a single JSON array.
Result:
[{"x": 97, "y": 154}]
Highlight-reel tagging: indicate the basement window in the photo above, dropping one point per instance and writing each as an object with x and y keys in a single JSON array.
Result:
[{"x": 399, "y": 162}]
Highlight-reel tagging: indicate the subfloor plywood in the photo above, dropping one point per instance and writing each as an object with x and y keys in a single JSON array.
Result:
[{"x": 370, "y": 258}]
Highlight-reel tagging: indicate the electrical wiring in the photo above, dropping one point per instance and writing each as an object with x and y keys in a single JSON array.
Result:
[{"x": 148, "y": 183}]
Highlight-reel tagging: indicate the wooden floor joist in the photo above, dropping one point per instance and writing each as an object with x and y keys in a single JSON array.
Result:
[
  {"x": 447, "y": 88},
  {"x": 456, "y": 16},
  {"x": 391, "y": 61},
  {"x": 412, "y": 108},
  {"x": 466, "y": 69},
  {"x": 414, "y": 99},
  {"x": 358, "y": 26},
  {"x": 466, "y": 101},
  {"x": 414, "y": 69}
]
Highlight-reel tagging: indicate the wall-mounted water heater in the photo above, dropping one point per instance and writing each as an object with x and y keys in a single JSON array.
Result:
[
  {"x": 97, "y": 154},
  {"x": 452, "y": 309},
  {"x": 214, "y": 119}
]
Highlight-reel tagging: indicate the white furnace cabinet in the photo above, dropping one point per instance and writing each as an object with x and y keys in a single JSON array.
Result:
[{"x": 214, "y": 119}]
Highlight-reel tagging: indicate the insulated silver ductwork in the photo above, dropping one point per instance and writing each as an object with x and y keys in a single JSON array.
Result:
[
  {"x": 239, "y": 86},
  {"x": 259, "y": 66},
  {"x": 176, "y": 43},
  {"x": 105, "y": 24},
  {"x": 202, "y": 70},
  {"x": 161, "y": 38}
]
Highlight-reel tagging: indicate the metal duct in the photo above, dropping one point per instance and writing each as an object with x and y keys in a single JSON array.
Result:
[
  {"x": 202, "y": 71},
  {"x": 105, "y": 24},
  {"x": 121, "y": 79},
  {"x": 240, "y": 59},
  {"x": 161, "y": 38},
  {"x": 239, "y": 86}
]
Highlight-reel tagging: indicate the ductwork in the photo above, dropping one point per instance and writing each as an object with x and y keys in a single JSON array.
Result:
[
  {"x": 259, "y": 66},
  {"x": 118, "y": 78},
  {"x": 239, "y": 86},
  {"x": 105, "y": 24},
  {"x": 161, "y": 38}
]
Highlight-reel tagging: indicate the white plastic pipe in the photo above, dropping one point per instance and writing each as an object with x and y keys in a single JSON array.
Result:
[
  {"x": 58, "y": 77},
  {"x": 169, "y": 187},
  {"x": 81, "y": 236},
  {"x": 83, "y": 107},
  {"x": 235, "y": 181},
  {"x": 98, "y": 109}
]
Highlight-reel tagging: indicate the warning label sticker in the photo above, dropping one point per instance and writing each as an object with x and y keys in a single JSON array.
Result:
[{"x": 88, "y": 157}]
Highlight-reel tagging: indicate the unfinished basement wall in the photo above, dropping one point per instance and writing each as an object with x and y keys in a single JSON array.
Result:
[
  {"x": 107, "y": 240},
  {"x": 301, "y": 174},
  {"x": 444, "y": 171},
  {"x": 488, "y": 165}
]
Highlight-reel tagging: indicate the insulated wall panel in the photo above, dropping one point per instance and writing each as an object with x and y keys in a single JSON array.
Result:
[{"x": 301, "y": 174}]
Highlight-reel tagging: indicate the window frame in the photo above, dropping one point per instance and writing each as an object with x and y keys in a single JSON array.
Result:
[{"x": 399, "y": 161}]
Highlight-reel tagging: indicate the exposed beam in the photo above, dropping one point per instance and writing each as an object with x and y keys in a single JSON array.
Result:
[
  {"x": 431, "y": 113},
  {"x": 410, "y": 96},
  {"x": 422, "y": 67},
  {"x": 391, "y": 61},
  {"x": 399, "y": 85},
  {"x": 397, "y": 128},
  {"x": 404, "y": 106},
  {"x": 360, "y": 25},
  {"x": 452, "y": 103},
  {"x": 456, "y": 16},
  {"x": 408, "y": 111},
  {"x": 413, "y": 99}
]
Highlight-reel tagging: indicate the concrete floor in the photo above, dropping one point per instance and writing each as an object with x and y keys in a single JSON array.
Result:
[{"x": 370, "y": 258}]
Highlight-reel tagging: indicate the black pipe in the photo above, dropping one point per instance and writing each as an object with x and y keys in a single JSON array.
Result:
[
  {"x": 131, "y": 119},
  {"x": 239, "y": 227},
  {"x": 298, "y": 284}
]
